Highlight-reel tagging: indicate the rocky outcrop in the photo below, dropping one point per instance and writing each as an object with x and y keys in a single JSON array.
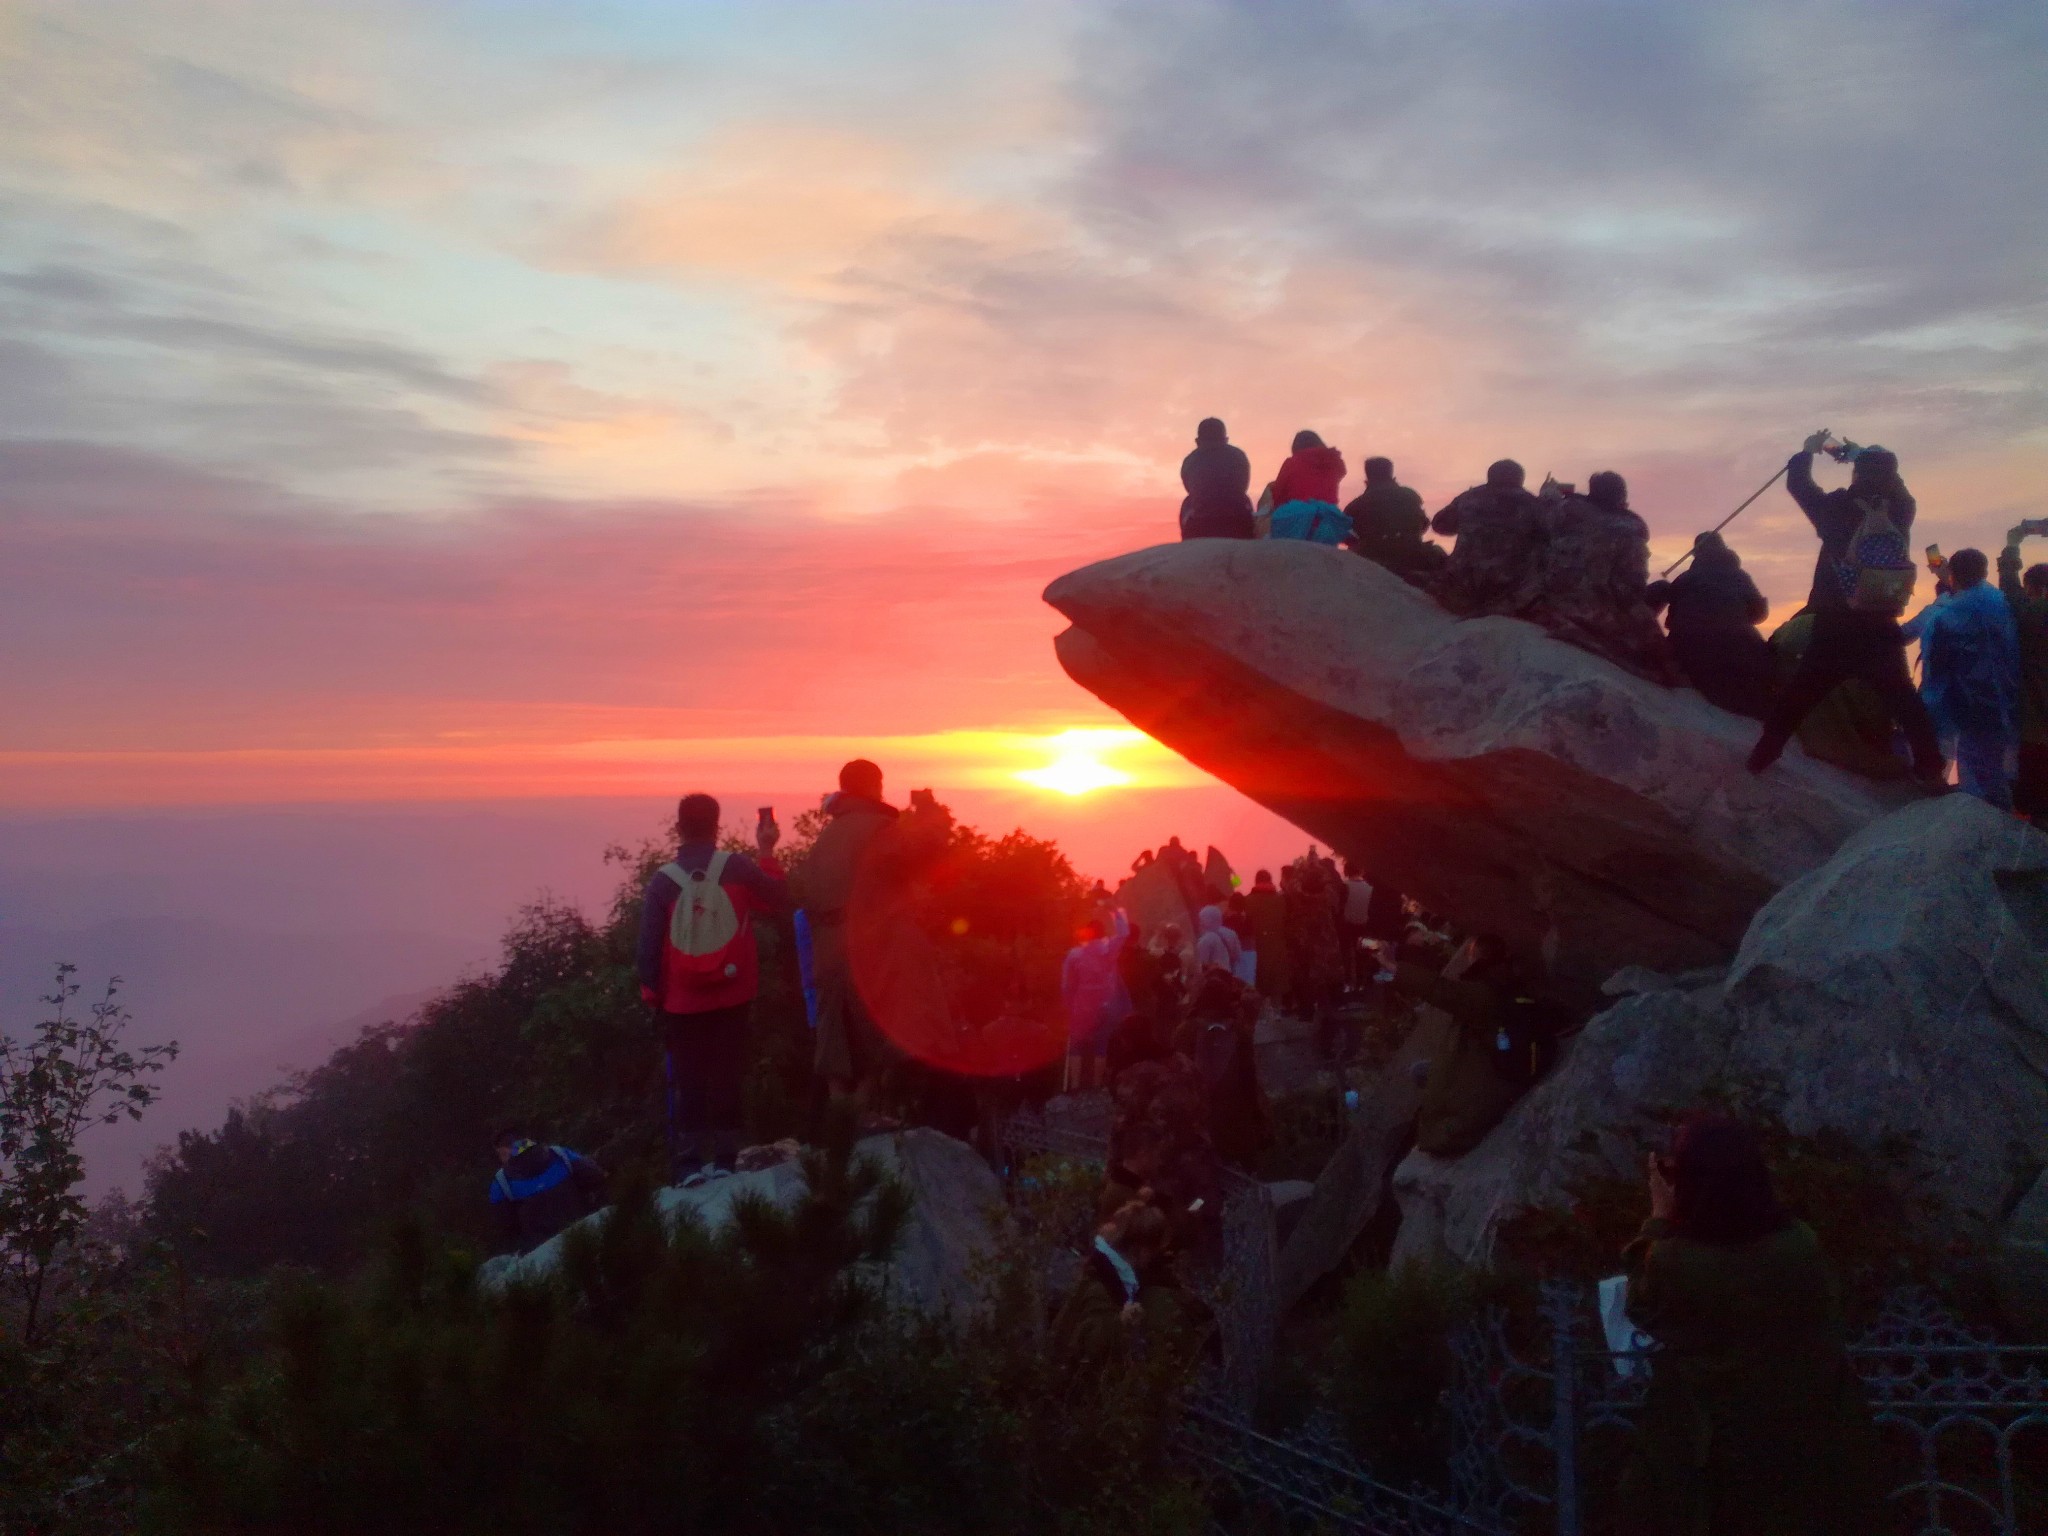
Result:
[
  {"x": 944, "y": 1242},
  {"x": 1498, "y": 775},
  {"x": 1900, "y": 990}
]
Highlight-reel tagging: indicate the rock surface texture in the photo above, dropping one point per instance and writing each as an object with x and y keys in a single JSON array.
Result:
[
  {"x": 1500, "y": 776},
  {"x": 953, "y": 1194},
  {"x": 1901, "y": 989}
]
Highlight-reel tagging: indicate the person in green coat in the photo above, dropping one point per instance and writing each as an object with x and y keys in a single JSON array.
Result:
[
  {"x": 1466, "y": 1094},
  {"x": 1755, "y": 1423}
]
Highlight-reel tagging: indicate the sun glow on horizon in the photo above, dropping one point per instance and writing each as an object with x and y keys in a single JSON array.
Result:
[{"x": 1077, "y": 767}]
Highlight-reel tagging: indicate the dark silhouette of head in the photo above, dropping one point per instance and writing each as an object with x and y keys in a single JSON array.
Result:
[
  {"x": 1710, "y": 549},
  {"x": 1723, "y": 1188},
  {"x": 1305, "y": 439},
  {"x": 2036, "y": 580},
  {"x": 1263, "y": 880},
  {"x": 1210, "y": 430},
  {"x": 1506, "y": 475},
  {"x": 1379, "y": 471},
  {"x": 697, "y": 819},
  {"x": 861, "y": 777},
  {"x": 1968, "y": 567},
  {"x": 1876, "y": 469},
  {"x": 1607, "y": 489}
]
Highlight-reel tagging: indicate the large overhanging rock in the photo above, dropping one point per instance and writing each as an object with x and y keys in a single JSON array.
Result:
[
  {"x": 1900, "y": 991},
  {"x": 1504, "y": 778},
  {"x": 945, "y": 1244}
]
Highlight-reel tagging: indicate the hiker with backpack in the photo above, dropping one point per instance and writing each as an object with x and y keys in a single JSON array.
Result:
[
  {"x": 1970, "y": 675},
  {"x": 700, "y": 969},
  {"x": 539, "y": 1189},
  {"x": 1862, "y": 581},
  {"x": 1304, "y": 494}
]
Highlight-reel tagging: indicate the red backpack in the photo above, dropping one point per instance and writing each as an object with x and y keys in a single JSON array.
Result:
[{"x": 710, "y": 938}]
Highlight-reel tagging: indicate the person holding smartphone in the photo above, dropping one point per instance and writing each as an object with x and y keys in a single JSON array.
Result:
[{"x": 2027, "y": 595}]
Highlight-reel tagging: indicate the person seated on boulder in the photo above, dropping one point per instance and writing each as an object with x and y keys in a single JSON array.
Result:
[
  {"x": 1389, "y": 523},
  {"x": 1711, "y": 614},
  {"x": 538, "y": 1190},
  {"x": 2028, "y": 596},
  {"x": 1217, "y": 478},
  {"x": 1497, "y": 564},
  {"x": 1855, "y": 603},
  {"x": 1970, "y": 675},
  {"x": 1755, "y": 1419},
  {"x": 1596, "y": 577},
  {"x": 1123, "y": 1286},
  {"x": 1305, "y": 494},
  {"x": 1472, "y": 1081}
]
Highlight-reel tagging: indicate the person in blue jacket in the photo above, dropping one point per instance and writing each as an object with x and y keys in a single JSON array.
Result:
[
  {"x": 1970, "y": 676},
  {"x": 539, "y": 1189}
]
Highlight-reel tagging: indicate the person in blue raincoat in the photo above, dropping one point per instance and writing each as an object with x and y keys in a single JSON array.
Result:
[{"x": 1970, "y": 676}]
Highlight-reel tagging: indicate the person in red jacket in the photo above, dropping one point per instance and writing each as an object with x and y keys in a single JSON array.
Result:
[
  {"x": 703, "y": 990},
  {"x": 1305, "y": 494}
]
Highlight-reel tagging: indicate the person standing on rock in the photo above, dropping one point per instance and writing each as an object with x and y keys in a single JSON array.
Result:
[
  {"x": 1856, "y": 621},
  {"x": 1970, "y": 675},
  {"x": 849, "y": 1046},
  {"x": 1755, "y": 1421},
  {"x": 2028, "y": 596},
  {"x": 1268, "y": 911},
  {"x": 1092, "y": 987},
  {"x": 1217, "y": 478},
  {"x": 700, "y": 970},
  {"x": 1711, "y": 614},
  {"x": 1596, "y": 577},
  {"x": 1497, "y": 564},
  {"x": 1389, "y": 522}
]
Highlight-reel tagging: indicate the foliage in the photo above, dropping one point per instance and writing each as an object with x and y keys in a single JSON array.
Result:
[
  {"x": 1394, "y": 1367},
  {"x": 673, "y": 1380},
  {"x": 69, "y": 1074},
  {"x": 556, "y": 1041}
]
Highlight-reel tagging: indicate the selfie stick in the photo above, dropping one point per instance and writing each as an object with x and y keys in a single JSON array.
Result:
[{"x": 1729, "y": 518}]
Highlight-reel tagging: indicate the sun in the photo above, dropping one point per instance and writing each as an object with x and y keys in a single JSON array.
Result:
[{"x": 1076, "y": 768}]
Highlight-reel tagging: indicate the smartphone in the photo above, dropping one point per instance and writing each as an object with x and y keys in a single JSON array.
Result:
[
  {"x": 1935, "y": 558},
  {"x": 766, "y": 825}
]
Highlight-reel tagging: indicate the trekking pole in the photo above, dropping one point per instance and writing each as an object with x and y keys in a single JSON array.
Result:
[{"x": 1728, "y": 519}]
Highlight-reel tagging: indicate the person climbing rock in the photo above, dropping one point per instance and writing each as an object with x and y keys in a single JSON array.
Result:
[
  {"x": 1497, "y": 564},
  {"x": 1755, "y": 1419},
  {"x": 1217, "y": 478},
  {"x": 2028, "y": 596},
  {"x": 1970, "y": 675},
  {"x": 1121, "y": 1289},
  {"x": 1470, "y": 1084},
  {"x": 1711, "y": 614},
  {"x": 1861, "y": 580},
  {"x": 1389, "y": 523},
  {"x": 1596, "y": 577},
  {"x": 700, "y": 970},
  {"x": 538, "y": 1190}
]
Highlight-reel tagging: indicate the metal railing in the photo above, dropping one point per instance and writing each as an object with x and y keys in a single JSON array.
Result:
[{"x": 1963, "y": 1411}]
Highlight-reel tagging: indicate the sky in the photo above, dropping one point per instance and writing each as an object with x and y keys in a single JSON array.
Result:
[
  {"x": 455, "y": 400},
  {"x": 418, "y": 409}
]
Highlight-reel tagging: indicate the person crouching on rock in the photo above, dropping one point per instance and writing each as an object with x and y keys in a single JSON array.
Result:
[
  {"x": 1497, "y": 1045},
  {"x": 1496, "y": 566},
  {"x": 1217, "y": 478},
  {"x": 1856, "y": 602},
  {"x": 1390, "y": 523},
  {"x": 1714, "y": 609},
  {"x": 1755, "y": 1420},
  {"x": 538, "y": 1190},
  {"x": 1305, "y": 494}
]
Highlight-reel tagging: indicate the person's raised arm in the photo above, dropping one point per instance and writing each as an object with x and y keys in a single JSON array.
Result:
[{"x": 1799, "y": 474}]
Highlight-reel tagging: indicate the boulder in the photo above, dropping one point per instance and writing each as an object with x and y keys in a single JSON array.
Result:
[
  {"x": 1496, "y": 774},
  {"x": 1152, "y": 898},
  {"x": 1900, "y": 990},
  {"x": 947, "y": 1237}
]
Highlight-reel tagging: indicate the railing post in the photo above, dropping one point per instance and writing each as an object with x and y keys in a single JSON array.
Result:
[{"x": 1563, "y": 1304}]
